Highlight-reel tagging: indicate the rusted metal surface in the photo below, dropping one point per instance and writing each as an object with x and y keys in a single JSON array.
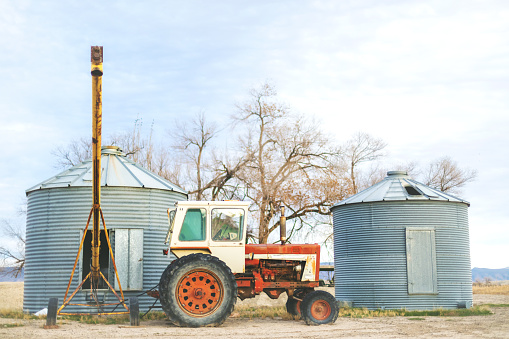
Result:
[
  {"x": 282, "y": 226},
  {"x": 200, "y": 292},
  {"x": 153, "y": 294},
  {"x": 96, "y": 58}
]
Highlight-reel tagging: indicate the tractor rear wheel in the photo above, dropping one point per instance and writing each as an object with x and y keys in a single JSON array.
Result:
[
  {"x": 198, "y": 290},
  {"x": 319, "y": 307}
]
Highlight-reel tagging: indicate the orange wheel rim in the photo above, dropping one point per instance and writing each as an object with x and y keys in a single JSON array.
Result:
[
  {"x": 199, "y": 293},
  {"x": 320, "y": 310}
]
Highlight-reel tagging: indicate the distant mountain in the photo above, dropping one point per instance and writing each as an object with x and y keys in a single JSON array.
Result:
[
  {"x": 6, "y": 277},
  {"x": 477, "y": 273},
  {"x": 491, "y": 273}
]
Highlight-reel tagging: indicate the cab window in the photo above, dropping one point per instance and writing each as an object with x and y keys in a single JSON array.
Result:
[
  {"x": 193, "y": 228},
  {"x": 227, "y": 224}
]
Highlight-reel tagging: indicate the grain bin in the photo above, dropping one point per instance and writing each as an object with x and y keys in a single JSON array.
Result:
[
  {"x": 134, "y": 202},
  {"x": 402, "y": 244}
]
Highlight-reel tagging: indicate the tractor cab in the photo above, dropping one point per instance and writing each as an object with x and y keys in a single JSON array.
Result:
[{"x": 217, "y": 228}]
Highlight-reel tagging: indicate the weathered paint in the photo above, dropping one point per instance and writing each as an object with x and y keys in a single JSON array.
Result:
[{"x": 96, "y": 59}]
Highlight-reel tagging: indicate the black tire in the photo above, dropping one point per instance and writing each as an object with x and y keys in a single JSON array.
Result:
[
  {"x": 198, "y": 290},
  {"x": 293, "y": 306},
  {"x": 319, "y": 307}
]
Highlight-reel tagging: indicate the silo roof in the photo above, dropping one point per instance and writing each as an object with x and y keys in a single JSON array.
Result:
[
  {"x": 117, "y": 170},
  {"x": 398, "y": 186}
]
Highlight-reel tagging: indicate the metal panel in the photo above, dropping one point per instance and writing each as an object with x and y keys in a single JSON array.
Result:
[
  {"x": 129, "y": 258},
  {"x": 117, "y": 169},
  {"x": 394, "y": 188},
  {"x": 122, "y": 257},
  {"x": 421, "y": 261},
  {"x": 56, "y": 218},
  {"x": 370, "y": 253},
  {"x": 136, "y": 259}
]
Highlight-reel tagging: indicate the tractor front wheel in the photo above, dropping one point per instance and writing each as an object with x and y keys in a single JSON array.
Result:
[
  {"x": 198, "y": 290},
  {"x": 319, "y": 307}
]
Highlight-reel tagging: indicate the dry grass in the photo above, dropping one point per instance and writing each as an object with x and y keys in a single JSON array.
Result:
[
  {"x": 272, "y": 312},
  {"x": 491, "y": 289},
  {"x": 279, "y": 312},
  {"x": 11, "y": 295},
  {"x": 365, "y": 313},
  {"x": 16, "y": 314},
  {"x": 12, "y": 299}
]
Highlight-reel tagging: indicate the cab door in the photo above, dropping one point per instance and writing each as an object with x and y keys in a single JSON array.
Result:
[
  {"x": 227, "y": 236},
  {"x": 190, "y": 233}
]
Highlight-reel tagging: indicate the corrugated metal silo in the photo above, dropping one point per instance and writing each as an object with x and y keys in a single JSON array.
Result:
[
  {"x": 134, "y": 202},
  {"x": 401, "y": 244}
]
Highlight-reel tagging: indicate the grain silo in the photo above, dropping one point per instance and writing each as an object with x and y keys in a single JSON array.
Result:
[
  {"x": 401, "y": 244},
  {"x": 134, "y": 202}
]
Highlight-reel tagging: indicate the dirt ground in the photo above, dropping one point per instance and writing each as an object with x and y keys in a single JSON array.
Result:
[{"x": 494, "y": 326}]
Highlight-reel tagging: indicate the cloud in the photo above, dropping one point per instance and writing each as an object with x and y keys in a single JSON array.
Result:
[{"x": 429, "y": 77}]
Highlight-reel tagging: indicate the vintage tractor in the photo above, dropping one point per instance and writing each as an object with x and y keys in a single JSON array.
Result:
[{"x": 214, "y": 266}]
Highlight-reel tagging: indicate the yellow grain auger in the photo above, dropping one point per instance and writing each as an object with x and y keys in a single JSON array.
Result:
[{"x": 95, "y": 276}]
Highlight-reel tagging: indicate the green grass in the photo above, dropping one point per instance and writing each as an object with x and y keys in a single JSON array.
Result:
[
  {"x": 98, "y": 319},
  {"x": 154, "y": 315},
  {"x": 12, "y": 325},
  {"x": 16, "y": 314},
  {"x": 278, "y": 312},
  {"x": 416, "y": 318}
]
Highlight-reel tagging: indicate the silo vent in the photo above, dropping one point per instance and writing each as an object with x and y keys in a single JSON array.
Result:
[
  {"x": 412, "y": 190},
  {"x": 397, "y": 174},
  {"x": 112, "y": 150}
]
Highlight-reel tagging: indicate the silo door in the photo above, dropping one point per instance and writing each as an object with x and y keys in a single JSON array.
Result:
[
  {"x": 129, "y": 258},
  {"x": 421, "y": 261}
]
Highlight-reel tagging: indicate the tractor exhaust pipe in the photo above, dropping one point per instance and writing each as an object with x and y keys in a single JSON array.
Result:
[{"x": 282, "y": 226}]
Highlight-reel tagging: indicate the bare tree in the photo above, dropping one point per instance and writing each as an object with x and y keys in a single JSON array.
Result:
[
  {"x": 377, "y": 172},
  {"x": 168, "y": 165},
  {"x": 13, "y": 259},
  {"x": 361, "y": 148},
  {"x": 137, "y": 146},
  {"x": 445, "y": 175},
  {"x": 75, "y": 153},
  {"x": 226, "y": 168},
  {"x": 211, "y": 174},
  {"x": 291, "y": 157},
  {"x": 192, "y": 139}
]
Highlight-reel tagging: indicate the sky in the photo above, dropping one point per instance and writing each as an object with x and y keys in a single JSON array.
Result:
[{"x": 430, "y": 78}]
